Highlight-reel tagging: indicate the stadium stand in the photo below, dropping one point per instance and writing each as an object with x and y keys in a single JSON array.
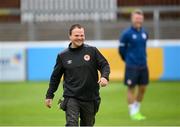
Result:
[{"x": 28, "y": 20}]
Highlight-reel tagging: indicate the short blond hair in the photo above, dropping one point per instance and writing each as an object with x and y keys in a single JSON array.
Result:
[{"x": 137, "y": 11}]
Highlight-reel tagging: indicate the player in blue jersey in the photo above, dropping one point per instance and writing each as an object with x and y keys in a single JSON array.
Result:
[{"x": 132, "y": 50}]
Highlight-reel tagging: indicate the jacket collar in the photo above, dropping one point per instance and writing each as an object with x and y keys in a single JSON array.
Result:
[
  {"x": 75, "y": 49},
  {"x": 135, "y": 29}
]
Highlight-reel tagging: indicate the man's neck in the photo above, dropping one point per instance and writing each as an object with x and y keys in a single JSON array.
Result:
[
  {"x": 137, "y": 28},
  {"x": 73, "y": 46}
]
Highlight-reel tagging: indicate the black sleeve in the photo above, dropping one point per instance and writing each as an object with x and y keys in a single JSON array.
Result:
[
  {"x": 103, "y": 65},
  {"x": 55, "y": 78}
]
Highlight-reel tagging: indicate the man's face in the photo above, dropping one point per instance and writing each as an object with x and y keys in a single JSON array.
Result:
[
  {"x": 77, "y": 36},
  {"x": 137, "y": 20}
]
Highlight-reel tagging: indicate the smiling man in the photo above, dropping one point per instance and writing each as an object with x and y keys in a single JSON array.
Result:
[{"x": 79, "y": 64}]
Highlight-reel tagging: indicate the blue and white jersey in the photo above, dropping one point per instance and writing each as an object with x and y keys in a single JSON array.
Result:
[{"x": 132, "y": 47}]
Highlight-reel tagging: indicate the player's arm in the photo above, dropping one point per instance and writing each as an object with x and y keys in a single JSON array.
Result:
[
  {"x": 147, "y": 40},
  {"x": 103, "y": 67},
  {"x": 123, "y": 39},
  {"x": 54, "y": 81}
]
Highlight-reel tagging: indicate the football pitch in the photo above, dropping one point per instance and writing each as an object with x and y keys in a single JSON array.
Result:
[{"x": 22, "y": 104}]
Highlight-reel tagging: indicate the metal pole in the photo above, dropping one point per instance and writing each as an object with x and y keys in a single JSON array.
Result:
[
  {"x": 31, "y": 32},
  {"x": 97, "y": 27},
  {"x": 31, "y": 29},
  {"x": 156, "y": 24}
]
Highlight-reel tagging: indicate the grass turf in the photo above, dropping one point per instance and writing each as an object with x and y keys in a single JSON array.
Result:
[{"x": 23, "y": 104}]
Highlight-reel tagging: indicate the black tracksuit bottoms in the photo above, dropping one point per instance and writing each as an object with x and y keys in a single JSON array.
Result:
[{"x": 85, "y": 110}]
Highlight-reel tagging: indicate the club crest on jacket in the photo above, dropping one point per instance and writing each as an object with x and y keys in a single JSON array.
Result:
[{"x": 87, "y": 57}]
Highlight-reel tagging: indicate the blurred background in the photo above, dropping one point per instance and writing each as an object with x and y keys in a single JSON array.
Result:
[
  {"x": 29, "y": 20},
  {"x": 32, "y": 32},
  {"x": 26, "y": 23}
]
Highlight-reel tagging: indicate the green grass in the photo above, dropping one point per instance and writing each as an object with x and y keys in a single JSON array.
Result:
[{"x": 23, "y": 104}]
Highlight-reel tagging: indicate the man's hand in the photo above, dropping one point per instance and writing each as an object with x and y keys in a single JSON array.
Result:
[
  {"x": 48, "y": 103},
  {"x": 103, "y": 82}
]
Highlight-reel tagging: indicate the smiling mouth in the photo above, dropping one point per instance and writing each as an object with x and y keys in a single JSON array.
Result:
[{"x": 79, "y": 41}]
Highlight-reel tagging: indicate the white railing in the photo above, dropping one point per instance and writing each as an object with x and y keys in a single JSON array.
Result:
[{"x": 67, "y": 10}]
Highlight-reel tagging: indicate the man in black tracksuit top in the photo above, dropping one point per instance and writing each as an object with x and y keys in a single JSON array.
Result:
[{"x": 79, "y": 64}]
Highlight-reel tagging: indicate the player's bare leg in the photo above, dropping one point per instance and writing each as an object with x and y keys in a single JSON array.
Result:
[
  {"x": 134, "y": 102},
  {"x": 131, "y": 98},
  {"x": 141, "y": 92},
  {"x": 140, "y": 95}
]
